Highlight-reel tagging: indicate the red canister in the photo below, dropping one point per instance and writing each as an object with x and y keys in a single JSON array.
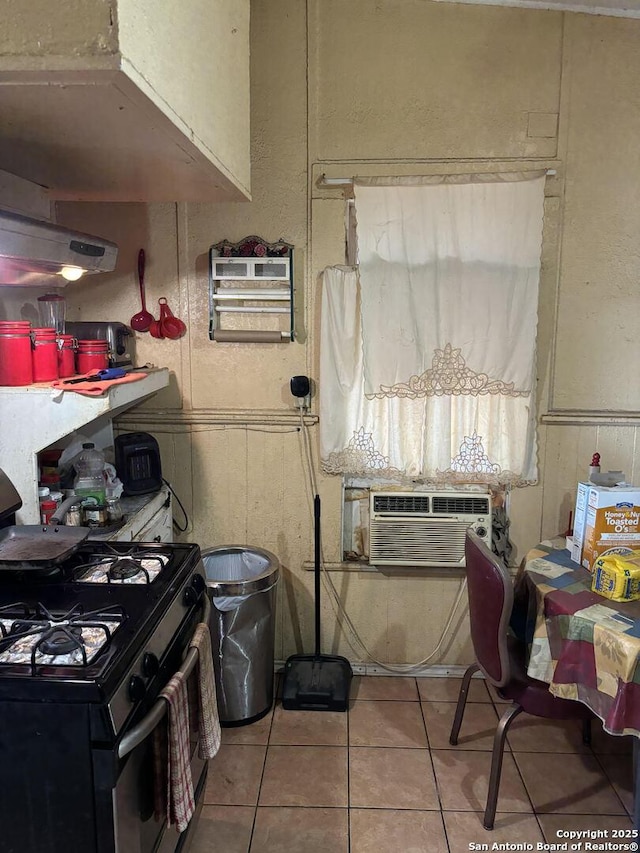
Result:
[
  {"x": 66, "y": 355},
  {"x": 45, "y": 355},
  {"x": 92, "y": 356},
  {"x": 15, "y": 352}
]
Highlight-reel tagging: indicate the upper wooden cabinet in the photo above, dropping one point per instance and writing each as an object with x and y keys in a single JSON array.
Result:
[{"x": 127, "y": 100}]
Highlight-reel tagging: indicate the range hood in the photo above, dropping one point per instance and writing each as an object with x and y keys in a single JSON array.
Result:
[{"x": 34, "y": 252}]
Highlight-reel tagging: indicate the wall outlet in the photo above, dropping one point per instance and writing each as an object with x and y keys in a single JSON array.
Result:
[{"x": 303, "y": 403}]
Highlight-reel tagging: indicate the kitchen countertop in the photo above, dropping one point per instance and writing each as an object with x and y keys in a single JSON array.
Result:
[
  {"x": 138, "y": 511},
  {"x": 132, "y": 505},
  {"x": 34, "y": 417}
]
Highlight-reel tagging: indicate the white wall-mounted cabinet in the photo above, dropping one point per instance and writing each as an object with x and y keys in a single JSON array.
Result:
[
  {"x": 36, "y": 416},
  {"x": 127, "y": 100},
  {"x": 250, "y": 287}
]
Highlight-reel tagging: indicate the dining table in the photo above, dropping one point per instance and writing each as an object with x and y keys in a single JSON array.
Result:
[{"x": 584, "y": 646}]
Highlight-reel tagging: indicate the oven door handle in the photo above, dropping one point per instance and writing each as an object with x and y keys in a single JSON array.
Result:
[{"x": 147, "y": 724}]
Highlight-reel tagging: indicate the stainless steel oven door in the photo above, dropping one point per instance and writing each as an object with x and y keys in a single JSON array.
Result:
[{"x": 137, "y": 829}]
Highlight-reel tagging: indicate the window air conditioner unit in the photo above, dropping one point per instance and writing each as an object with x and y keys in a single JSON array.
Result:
[{"x": 425, "y": 528}]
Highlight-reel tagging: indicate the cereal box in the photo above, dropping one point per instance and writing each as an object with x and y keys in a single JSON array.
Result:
[{"x": 611, "y": 523}]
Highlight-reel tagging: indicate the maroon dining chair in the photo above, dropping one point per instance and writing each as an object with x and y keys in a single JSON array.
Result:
[{"x": 502, "y": 659}]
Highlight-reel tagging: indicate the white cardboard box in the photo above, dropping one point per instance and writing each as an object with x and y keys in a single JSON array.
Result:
[{"x": 579, "y": 518}]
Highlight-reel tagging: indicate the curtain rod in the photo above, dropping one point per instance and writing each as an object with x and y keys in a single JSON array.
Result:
[{"x": 324, "y": 181}]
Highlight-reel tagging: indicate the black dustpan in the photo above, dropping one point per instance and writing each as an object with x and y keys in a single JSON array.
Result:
[{"x": 316, "y": 682}]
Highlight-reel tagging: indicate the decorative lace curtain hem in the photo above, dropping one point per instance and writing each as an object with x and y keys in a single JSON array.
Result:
[{"x": 386, "y": 438}]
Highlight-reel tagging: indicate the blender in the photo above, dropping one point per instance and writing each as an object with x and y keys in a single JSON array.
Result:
[{"x": 51, "y": 311}]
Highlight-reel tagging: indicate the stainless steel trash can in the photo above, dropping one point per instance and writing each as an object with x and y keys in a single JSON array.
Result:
[{"x": 241, "y": 583}]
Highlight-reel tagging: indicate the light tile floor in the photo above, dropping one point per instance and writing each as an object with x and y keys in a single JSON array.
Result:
[{"x": 383, "y": 777}]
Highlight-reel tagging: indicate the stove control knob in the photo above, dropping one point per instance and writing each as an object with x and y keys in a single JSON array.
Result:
[
  {"x": 150, "y": 664},
  {"x": 190, "y": 596},
  {"x": 137, "y": 688},
  {"x": 194, "y": 591}
]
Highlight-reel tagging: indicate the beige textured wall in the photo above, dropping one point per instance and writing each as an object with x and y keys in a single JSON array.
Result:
[
  {"x": 600, "y": 253},
  {"x": 74, "y": 28},
  {"x": 412, "y": 86},
  {"x": 194, "y": 58},
  {"x": 80, "y": 65},
  {"x": 419, "y": 80}
]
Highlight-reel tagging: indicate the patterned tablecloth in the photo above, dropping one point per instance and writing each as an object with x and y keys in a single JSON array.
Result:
[{"x": 584, "y": 646}]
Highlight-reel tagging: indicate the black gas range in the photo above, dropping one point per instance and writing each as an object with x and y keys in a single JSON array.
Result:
[{"x": 86, "y": 645}]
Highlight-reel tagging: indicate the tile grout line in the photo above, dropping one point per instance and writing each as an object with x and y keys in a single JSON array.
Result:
[
  {"x": 606, "y": 773},
  {"x": 264, "y": 765},
  {"x": 433, "y": 770},
  {"x": 615, "y": 790}
]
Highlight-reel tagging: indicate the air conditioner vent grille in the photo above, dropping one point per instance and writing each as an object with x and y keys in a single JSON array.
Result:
[
  {"x": 425, "y": 528},
  {"x": 457, "y": 505},
  {"x": 401, "y": 504},
  {"x": 418, "y": 544}
]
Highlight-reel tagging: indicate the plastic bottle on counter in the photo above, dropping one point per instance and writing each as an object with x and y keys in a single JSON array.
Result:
[{"x": 90, "y": 482}]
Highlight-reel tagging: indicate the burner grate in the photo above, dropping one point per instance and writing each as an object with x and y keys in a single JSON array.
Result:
[
  {"x": 134, "y": 566},
  {"x": 37, "y": 637}
]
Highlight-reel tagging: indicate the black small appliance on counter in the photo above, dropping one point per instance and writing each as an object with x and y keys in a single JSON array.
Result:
[{"x": 138, "y": 463}]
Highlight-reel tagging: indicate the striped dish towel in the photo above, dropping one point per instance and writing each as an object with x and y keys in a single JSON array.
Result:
[
  {"x": 178, "y": 802},
  {"x": 208, "y": 719}
]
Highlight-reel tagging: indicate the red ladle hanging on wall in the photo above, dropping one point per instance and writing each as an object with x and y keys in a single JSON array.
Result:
[
  {"x": 171, "y": 326},
  {"x": 141, "y": 321}
]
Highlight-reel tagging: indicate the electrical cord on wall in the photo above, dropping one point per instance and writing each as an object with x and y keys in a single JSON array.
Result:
[
  {"x": 330, "y": 587},
  {"x": 184, "y": 512}
]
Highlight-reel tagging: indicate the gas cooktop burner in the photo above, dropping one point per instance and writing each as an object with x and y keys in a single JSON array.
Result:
[
  {"x": 37, "y": 637},
  {"x": 122, "y": 569},
  {"x": 43, "y": 656},
  {"x": 61, "y": 641},
  {"x": 134, "y": 568}
]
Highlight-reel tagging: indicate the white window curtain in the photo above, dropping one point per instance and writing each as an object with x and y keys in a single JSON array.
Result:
[{"x": 427, "y": 360}]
